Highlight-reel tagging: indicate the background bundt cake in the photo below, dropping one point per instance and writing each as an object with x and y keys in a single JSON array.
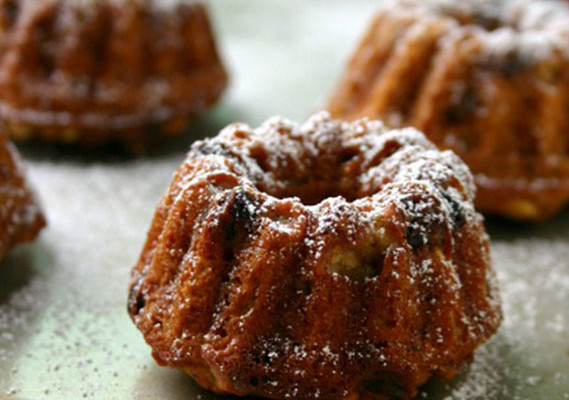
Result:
[
  {"x": 20, "y": 216},
  {"x": 487, "y": 79},
  {"x": 322, "y": 261},
  {"x": 94, "y": 71}
]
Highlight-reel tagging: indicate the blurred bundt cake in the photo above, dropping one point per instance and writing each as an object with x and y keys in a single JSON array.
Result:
[
  {"x": 106, "y": 70},
  {"x": 322, "y": 261},
  {"x": 487, "y": 79},
  {"x": 20, "y": 216}
]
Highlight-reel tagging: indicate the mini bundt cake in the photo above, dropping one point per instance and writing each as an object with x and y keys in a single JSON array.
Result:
[
  {"x": 486, "y": 79},
  {"x": 106, "y": 70},
  {"x": 323, "y": 261},
  {"x": 20, "y": 216}
]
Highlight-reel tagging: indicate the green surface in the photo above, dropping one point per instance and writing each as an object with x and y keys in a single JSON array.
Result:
[{"x": 64, "y": 331}]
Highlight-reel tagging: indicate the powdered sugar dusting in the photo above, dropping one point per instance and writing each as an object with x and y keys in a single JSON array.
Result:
[
  {"x": 57, "y": 330},
  {"x": 534, "y": 30},
  {"x": 105, "y": 248},
  {"x": 378, "y": 213},
  {"x": 534, "y": 278}
]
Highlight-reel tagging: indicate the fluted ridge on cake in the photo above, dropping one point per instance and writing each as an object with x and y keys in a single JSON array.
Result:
[
  {"x": 21, "y": 218},
  {"x": 325, "y": 260},
  {"x": 85, "y": 70},
  {"x": 487, "y": 79}
]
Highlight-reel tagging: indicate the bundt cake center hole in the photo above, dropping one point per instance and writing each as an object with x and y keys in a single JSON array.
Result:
[
  {"x": 321, "y": 180},
  {"x": 314, "y": 192}
]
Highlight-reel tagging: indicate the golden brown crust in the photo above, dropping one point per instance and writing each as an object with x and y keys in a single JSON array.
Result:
[
  {"x": 488, "y": 80},
  {"x": 328, "y": 260},
  {"x": 20, "y": 216},
  {"x": 99, "y": 71}
]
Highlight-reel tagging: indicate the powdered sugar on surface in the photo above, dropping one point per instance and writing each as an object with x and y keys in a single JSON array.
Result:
[
  {"x": 66, "y": 319},
  {"x": 62, "y": 319},
  {"x": 529, "y": 357}
]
